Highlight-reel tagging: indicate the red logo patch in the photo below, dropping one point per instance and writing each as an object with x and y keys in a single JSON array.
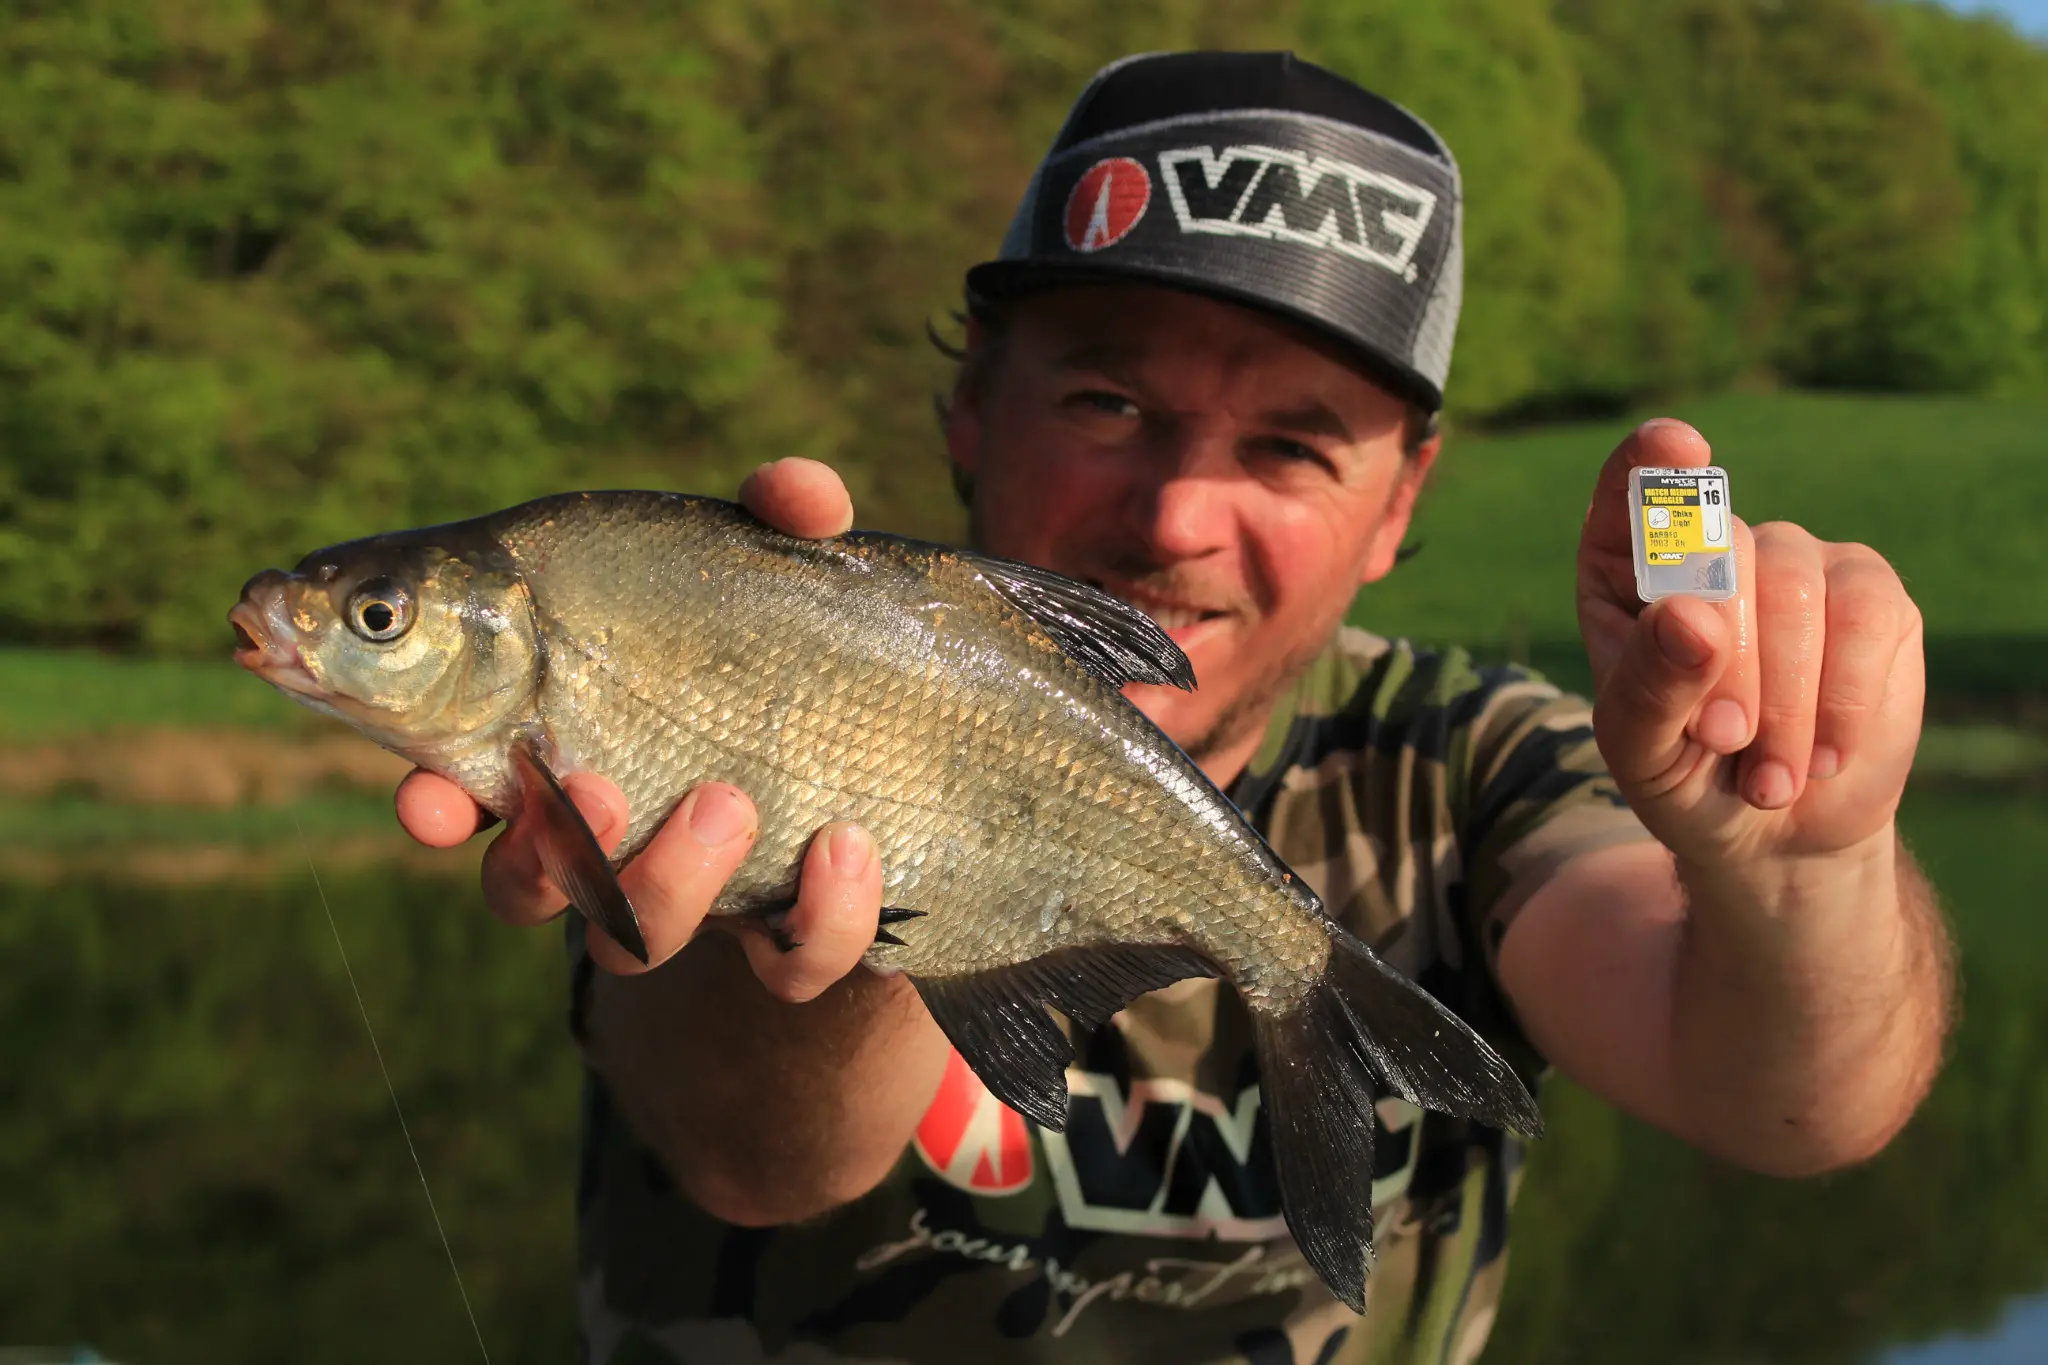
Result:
[
  {"x": 971, "y": 1139},
  {"x": 1107, "y": 203}
]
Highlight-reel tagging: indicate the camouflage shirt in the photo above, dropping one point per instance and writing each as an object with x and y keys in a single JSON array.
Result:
[{"x": 1410, "y": 790}]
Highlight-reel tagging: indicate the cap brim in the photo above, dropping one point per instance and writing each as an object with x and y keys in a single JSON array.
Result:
[{"x": 1000, "y": 280}]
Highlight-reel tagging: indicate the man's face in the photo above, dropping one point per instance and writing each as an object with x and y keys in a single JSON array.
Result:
[{"x": 1211, "y": 465}]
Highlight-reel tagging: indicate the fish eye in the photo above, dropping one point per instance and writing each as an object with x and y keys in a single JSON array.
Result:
[{"x": 380, "y": 610}]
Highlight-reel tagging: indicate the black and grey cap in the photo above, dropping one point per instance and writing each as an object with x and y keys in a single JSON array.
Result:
[{"x": 1259, "y": 178}]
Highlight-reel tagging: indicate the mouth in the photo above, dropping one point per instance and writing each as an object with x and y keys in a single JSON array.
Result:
[
  {"x": 1176, "y": 618},
  {"x": 262, "y": 641}
]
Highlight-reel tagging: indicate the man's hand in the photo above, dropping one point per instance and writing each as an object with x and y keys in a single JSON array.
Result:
[
  {"x": 1771, "y": 984},
  {"x": 1780, "y": 723},
  {"x": 674, "y": 880}
]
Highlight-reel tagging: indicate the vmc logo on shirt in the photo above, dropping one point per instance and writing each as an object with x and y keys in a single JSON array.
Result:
[
  {"x": 1291, "y": 196},
  {"x": 1160, "y": 1158},
  {"x": 1155, "y": 1157},
  {"x": 971, "y": 1139}
]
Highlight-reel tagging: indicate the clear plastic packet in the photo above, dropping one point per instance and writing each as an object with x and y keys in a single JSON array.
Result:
[{"x": 1683, "y": 526}]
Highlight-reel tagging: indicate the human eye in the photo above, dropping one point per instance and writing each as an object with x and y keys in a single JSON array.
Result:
[
  {"x": 1100, "y": 402},
  {"x": 1293, "y": 452}
]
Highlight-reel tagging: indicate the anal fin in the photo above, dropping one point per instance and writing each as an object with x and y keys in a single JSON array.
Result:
[
  {"x": 1088, "y": 985},
  {"x": 997, "y": 1019},
  {"x": 1007, "y": 1038},
  {"x": 569, "y": 853}
]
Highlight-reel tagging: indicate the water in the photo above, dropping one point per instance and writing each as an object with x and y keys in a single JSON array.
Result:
[
  {"x": 2020, "y": 1337},
  {"x": 200, "y": 1163}
]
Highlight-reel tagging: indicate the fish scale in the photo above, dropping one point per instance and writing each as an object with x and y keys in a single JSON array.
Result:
[{"x": 1043, "y": 845}]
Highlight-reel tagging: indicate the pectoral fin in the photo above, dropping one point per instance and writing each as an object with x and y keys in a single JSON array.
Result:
[
  {"x": 569, "y": 853},
  {"x": 892, "y": 914}
]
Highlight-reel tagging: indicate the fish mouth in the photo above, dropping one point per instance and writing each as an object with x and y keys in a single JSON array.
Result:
[{"x": 264, "y": 639}]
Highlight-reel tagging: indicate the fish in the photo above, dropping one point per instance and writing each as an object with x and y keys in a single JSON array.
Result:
[{"x": 1044, "y": 845}]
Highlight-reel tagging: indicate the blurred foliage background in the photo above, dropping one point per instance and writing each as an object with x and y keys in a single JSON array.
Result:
[{"x": 278, "y": 272}]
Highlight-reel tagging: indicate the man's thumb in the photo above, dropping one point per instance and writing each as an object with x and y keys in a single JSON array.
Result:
[{"x": 1669, "y": 663}]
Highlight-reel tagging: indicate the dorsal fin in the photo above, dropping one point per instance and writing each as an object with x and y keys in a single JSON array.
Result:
[{"x": 1113, "y": 640}]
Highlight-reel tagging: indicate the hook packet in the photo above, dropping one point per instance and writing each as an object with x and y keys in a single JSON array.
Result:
[{"x": 1684, "y": 531}]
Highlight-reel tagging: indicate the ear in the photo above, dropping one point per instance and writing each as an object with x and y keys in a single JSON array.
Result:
[
  {"x": 964, "y": 407},
  {"x": 1393, "y": 527}
]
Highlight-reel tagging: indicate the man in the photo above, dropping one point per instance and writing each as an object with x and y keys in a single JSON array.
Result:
[{"x": 1203, "y": 375}]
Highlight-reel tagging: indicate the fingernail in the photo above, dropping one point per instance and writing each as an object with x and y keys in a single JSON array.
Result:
[
  {"x": 1825, "y": 763},
  {"x": 850, "y": 850},
  {"x": 1681, "y": 644},
  {"x": 717, "y": 815},
  {"x": 1770, "y": 786},
  {"x": 1724, "y": 727}
]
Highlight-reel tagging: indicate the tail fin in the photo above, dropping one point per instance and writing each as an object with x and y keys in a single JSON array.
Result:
[{"x": 1365, "y": 1024}]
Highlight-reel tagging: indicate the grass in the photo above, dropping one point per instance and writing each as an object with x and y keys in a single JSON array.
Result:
[
  {"x": 1951, "y": 490},
  {"x": 81, "y": 824},
  {"x": 1980, "y": 753},
  {"x": 52, "y": 694}
]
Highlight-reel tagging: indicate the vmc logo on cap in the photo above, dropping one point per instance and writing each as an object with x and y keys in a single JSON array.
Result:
[
  {"x": 1262, "y": 180},
  {"x": 1312, "y": 200},
  {"x": 1106, "y": 203}
]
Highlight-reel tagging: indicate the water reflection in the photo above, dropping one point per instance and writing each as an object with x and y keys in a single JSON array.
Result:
[
  {"x": 199, "y": 1160},
  {"x": 1631, "y": 1248},
  {"x": 2020, "y": 1338}
]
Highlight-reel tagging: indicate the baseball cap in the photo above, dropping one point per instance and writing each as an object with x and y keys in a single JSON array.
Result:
[{"x": 1258, "y": 178}]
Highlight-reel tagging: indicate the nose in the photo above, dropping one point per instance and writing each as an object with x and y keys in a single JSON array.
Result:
[{"x": 1179, "y": 508}]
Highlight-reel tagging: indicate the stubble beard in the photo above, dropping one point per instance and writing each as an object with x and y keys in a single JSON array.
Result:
[{"x": 1251, "y": 710}]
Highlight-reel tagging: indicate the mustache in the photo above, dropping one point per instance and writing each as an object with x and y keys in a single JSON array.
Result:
[{"x": 1172, "y": 586}]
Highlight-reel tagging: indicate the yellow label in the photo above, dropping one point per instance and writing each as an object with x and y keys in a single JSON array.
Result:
[
  {"x": 1684, "y": 532},
  {"x": 1672, "y": 526}
]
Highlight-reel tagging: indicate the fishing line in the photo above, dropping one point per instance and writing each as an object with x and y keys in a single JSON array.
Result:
[{"x": 396, "y": 1108}]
